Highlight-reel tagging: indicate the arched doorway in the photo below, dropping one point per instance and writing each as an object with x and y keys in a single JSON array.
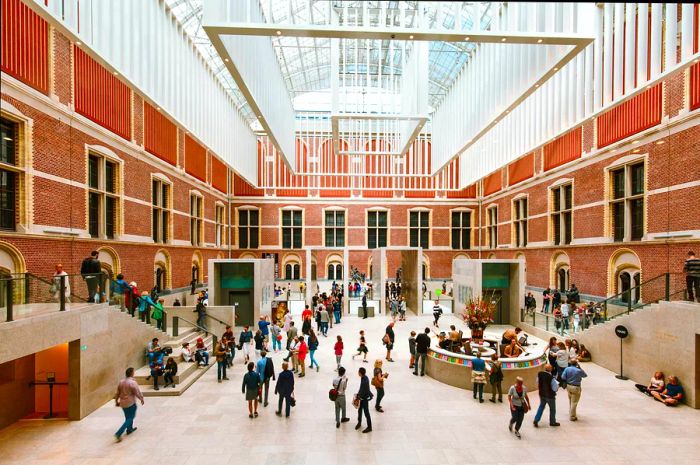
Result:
[
  {"x": 625, "y": 276},
  {"x": 12, "y": 267},
  {"x": 162, "y": 278},
  {"x": 560, "y": 272}
]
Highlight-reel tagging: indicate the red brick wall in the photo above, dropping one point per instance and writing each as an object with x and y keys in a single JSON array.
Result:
[{"x": 62, "y": 68}]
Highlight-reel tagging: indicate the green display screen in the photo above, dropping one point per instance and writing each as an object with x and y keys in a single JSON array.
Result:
[
  {"x": 495, "y": 276},
  {"x": 236, "y": 275}
]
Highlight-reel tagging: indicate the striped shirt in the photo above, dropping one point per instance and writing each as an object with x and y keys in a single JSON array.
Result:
[{"x": 692, "y": 267}]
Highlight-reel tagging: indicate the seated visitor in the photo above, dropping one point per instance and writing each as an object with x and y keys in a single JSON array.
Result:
[
  {"x": 169, "y": 372},
  {"x": 657, "y": 384},
  {"x": 584, "y": 355},
  {"x": 201, "y": 354},
  {"x": 156, "y": 371},
  {"x": 672, "y": 395},
  {"x": 513, "y": 350},
  {"x": 511, "y": 334},
  {"x": 186, "y": 352},
  {"x": 443, "y": 342},
  {"x": 153, "y": 350}
]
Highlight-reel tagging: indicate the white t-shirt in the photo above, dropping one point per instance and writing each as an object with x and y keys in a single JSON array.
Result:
[{"x": 564, "y": 310}]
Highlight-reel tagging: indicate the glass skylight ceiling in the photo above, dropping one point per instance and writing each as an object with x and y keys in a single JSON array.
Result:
[{"x": 305, "y": 62}]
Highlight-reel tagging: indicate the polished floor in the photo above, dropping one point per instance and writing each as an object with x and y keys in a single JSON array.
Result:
[{"x": 425, "y": 422}]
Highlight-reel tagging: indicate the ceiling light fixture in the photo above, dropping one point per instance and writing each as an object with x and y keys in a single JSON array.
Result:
[
  {"x": 158, "y": 108},
  {"x": 556, "y": 68},
  {"x": 539, "y": 41},
  {"x": 503, "y": 39},
  {"x": 537, "y": 85},
  {"x": 279, "y": 33},
  {"x": 410, "y": 37},
  {"x": 635, "y": 151},
  {"x": 660, "y": 142},
  {"x": 226, "y": 60},
  {"x": 78, "y": 43},
  {"x": 635, "y": 141},
  {"x": 466, "y": 38},
  {"x": 116, "y": 74}
]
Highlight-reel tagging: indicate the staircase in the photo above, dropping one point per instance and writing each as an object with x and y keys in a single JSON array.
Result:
[{"x": 187, "y": 372}]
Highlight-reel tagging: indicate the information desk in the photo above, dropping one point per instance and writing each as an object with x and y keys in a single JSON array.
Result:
[{"x": 456, "y": 369}]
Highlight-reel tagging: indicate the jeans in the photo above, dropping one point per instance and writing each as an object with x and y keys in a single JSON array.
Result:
[
  {"x": 204, "y": 355},
  {"x": 497, "y": 386},
  {"x": 276, "y": 344},
  {"x": 286, "y": 406},
  {"x": 380, "y": 396},
  {"x": 336, "y": 313},
  {"x": 231, "y": 355},
  {"x": 312, "y": 359},
  {"x": 324, "y": 328},
  {"x": 128, "y": 425},
  {"x": 168, "y": 378},
  {"x": 92, "y": 285},
  {"x": 364, "y": 407},
  {"x": 221, "y": 369},
  {"x": 478, "y": 387},
  {"x": 337, "y": 361},
  {"x": 200, "y": 321},
  {"x": 420, "y": 360},
  {"x": 264, "y": 391},
  {"x": 340, "y": 408},
  {"x": 517, "y": 416},
  {"x": 574, "y": 396},
  {"x": 545, "y": 306},
  {"x": 693, "y": 285},
  {"x": 552, "y": 403}
]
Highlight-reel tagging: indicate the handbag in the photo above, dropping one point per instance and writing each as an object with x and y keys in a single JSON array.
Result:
[
  {"x": 356, "y": 402},
  {"x": 554, "y": 384},
  {"x": 386, "y": 339},
  {"x": 333, "y": 394},
  {"x": 292, "y": 401}
]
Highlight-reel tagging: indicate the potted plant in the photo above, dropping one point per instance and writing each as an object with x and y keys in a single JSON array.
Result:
[{"x": 478, "y": 314}]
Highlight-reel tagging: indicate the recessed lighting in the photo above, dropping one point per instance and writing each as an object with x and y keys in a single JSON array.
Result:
[
  {"x": 539, "y": 41},
  {"x": 660, "y": 142},
  {"x": 78, "y": 43},
  {"x": 648, "y": 87},
  {"x": 116, "y": 74},
  {"x": 7, "y": 138},
  {"x": 537, "y": 85},
  {"x": 410, "y": 37},
  {"x": 635, "y": 151},
  {"x": 226, "y": 60},
  {"x": 503, "y": 39},
  {"x": 259, "y": 116},
  {"x": 556, "y": 68},
  {"x": 466, "y": 38},
  {"x": 635, "y": 141},
  {"x": 158, "y": 108},
  {"x": 279, "y": 33}
]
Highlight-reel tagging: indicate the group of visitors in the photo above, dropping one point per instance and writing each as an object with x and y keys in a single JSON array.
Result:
[{"x": 669, "y": 393}]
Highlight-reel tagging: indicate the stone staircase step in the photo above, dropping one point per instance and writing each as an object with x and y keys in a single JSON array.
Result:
[{"x": 179, "y": 388}]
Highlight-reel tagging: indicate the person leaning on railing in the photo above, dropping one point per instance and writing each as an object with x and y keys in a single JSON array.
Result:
[
  {"x": 692, "y": 276},
  {"x": 91, "y": 269}
]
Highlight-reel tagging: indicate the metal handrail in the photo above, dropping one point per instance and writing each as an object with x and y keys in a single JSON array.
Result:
[
  {"x": 176, "y": 325},
  {"x": 216, "y": 319}
]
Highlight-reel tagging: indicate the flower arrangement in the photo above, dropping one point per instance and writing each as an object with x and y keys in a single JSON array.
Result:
[{"x": 478, "y": 312}]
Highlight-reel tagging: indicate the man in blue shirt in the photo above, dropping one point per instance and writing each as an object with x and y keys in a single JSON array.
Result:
[
  {"x": 266, "y": 371},
  {"x": 672, "y": 395},
  {"x": 264, "y": 326},
  {"x": 572, "y": 376}
]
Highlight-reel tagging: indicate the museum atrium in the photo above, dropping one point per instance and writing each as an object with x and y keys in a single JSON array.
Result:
[{"x": 487, "y": 201}]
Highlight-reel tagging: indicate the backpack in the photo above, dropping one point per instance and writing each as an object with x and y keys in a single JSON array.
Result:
[{"x": 333, "y": 394}]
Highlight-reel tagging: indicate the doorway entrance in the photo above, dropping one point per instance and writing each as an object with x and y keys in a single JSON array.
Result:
[{"x": 243, "y": 303}]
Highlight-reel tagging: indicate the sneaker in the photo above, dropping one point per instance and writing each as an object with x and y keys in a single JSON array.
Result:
[
  {"x": 415, "y": 374},
  {"x": 317, "y": 368},
  {"x": 219, "y": 380},
  {"x": 255, "y": 414},
  {"x": 367, "y": 430},
  {"x": 534, "y": 423},
  {"x": 556, "y": 423},
  {"x": 250, "y": 416},
  {"x": 225, "y": 378},
  {"x": 510, "y": 427},
  {"x": 517, "y": 434},
  {"x": 492, "y": 400},
  {"x": 481, "y": 401},
  {"x": 266, "y": 404},
  {"x": 279, "y": 414},
  {"x": 337, "y": 424},
  {"x": 358, "y": 426},
  {"x": 129, "y": 432},
  {"x": 344, "y": 420}
]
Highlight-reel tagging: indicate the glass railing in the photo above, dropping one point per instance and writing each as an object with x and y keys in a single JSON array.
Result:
[{"x": 668, "y": 287}]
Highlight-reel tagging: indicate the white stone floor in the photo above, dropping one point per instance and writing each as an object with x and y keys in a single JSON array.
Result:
[{"x": 425, "y": 422}]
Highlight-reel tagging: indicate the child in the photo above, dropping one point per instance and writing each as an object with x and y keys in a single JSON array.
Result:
[
  {"x": 412, "y": 348},
  {"x": 338, "y": 349},
  {"x": 362, "y": 349}
]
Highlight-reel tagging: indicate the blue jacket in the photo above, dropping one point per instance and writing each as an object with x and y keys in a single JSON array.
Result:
[
  {"x": 251, "y": 381},
  {"x": 364, "y": 393},
  {"x": 285, "y": 383}
]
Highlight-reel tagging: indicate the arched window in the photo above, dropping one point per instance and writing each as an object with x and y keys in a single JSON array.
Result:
[
  {"x": 624, "y": 276},
  {"x": 560, "y": 271},
  {"x": 291, "y": 271},
  {"x": 335, "y": 272},
  {"x": 159, "y": 278},
  {"x": 628, "y": 281},
  {"x": 563, "y": 278}
]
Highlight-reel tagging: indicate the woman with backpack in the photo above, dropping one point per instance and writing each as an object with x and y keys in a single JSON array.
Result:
[{"x": 378, "y": 383}]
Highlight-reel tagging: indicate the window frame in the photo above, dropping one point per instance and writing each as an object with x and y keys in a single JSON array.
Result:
[
  {"x": 377, "y": 210},
  {"x": 492, "y": 226},
  {"x": 102, "y": 193},
  {"x": 626, "y": 200},
  {"x": 248, "y": 227},
  {"x": 196, "y": 220},
  {"x": 557, "y": 216},
  {"x": 16, "y": 170},
  {"x": 335, "y": 211},
  {"x": 293, "y": 228},
  {"x": 520, "y": 215},
  {"x": 461, "y": 228},
  {"x": 163, "y": 210},
  {"x": 420, "y": 229},
  {"x": 220, "y": 224}
]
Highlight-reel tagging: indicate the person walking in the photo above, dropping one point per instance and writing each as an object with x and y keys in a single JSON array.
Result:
[
  {"x": 546, "y": 300},
  {"x": 437, "y": 312},
  {"x": 572, "y": 376},
  {"x": 201, "y": 310},
  {"x": 478, "y": 377},
  {"x": 364, "y": 306},
  {"x": 313, "y": 346},
  {"x": 338, "y": 350},
  {"x": 378, "y": 383},
  {"x": 245, "y": 340},
  {"x": 221, "y": 360},
  {"x": 340, "y": 384},
  {"x": 301, "y": 356},
  {"x": 127, "y": 393},
  {"x": 91, "y": 270},
  {"x": 285, "y": 390},
  {"x": 496, "y": 379},
  {"x": 362, "y": 348},
  {"x": 692, "y": 276},
  {"x": 59, "y": 277},
  {"x": 422, "y": 345},
  {"x": 251, "y": 384},
  {"x": 547, "y": 386},
  {"x": 291, "y": 334},
  {"x": 519, "y": 405},
  {"x": 265, "y": 368},
  {"x": 276, "y": 335},
  {"x": 364, "y": 395},
  {"x": 412, "y": 350},
  {"x": 388, "y": 340}
]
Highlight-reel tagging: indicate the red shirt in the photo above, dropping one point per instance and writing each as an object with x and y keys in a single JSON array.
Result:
[
  {"x": 306, "y": 314},
  {"x": 303, "y": 350},
  {"x": 338, "y": 348}
]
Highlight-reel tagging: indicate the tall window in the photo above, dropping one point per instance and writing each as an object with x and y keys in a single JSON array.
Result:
[
  {"x": 377, "y": 229},
  {"x": 461, "y": 230},
  {"x": 292, "y": 271},
  {"x": 292, "y": 229},
  {"x": 196, "y": 220},
  {"x": 103, "y": 198},
  {"x": 627, "y": 202},
  {"x": 335, "y": 228},
  {"x": 520, "y": 222},
  {"x": 248, "y": 227},
  {"x": 562, "y": 204},
  {"x": 419, "y": 229},
  {"x": 160, "y": 196},
  {"x": 492, "y": 226},
  {"x": 9, "y": 174},
  {"x": 220, "y": 219},
  {"x": 335, "y": 271}
]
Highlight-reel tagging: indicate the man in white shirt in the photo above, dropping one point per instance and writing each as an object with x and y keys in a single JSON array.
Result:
[{"x": 565, "y": 316}]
